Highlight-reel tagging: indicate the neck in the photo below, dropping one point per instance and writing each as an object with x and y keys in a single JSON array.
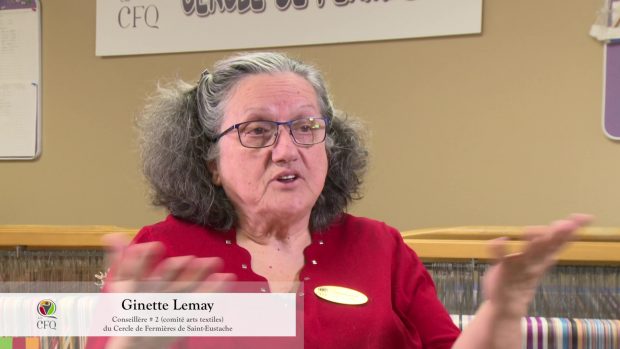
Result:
[
  {"x": 262, "y": 227},
  {"x": 274, "y": 233}
]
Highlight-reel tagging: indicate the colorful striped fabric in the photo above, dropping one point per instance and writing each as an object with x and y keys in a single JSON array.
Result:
[
  {"x": 42, "y": 342},
  {"x": 33, "y": 343},
  {"x": 538, "y": 333},
  {"x": 563, "y": 333},
  {"x": 6, "y": 343}
]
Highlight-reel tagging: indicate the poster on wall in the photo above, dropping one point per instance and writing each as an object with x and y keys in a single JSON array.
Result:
[
  {"x": 611, "y": 107},
  {"x": 20, "y": 79},
  {"x": 131, "y": 27},
  {"x": 611, "y": 103},
  {"x": 606, "y": 29}
]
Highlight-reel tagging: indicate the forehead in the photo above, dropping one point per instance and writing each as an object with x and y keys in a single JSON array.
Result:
[{"x": 278, "y": 93}]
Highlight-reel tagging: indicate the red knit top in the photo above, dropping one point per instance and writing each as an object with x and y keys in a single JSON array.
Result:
[{"x": 402, "y": 311}]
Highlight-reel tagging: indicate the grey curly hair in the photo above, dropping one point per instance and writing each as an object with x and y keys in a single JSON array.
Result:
[{"x": 180, "y": 121}]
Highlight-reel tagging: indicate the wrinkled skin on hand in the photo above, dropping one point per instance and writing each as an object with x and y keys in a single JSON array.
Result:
[
  {"x": 511, "y": 283},
  {"x": 141, "y": 268}
]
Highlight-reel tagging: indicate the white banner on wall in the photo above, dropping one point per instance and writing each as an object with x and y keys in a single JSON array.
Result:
[{"x": 127, "y": 27}]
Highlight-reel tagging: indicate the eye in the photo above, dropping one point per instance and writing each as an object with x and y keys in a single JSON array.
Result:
[
  {"x": 307, "y": 126},
  {"x": 257, "y": 129}
]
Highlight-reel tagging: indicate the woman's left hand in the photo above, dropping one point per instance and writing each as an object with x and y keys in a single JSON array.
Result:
[{"x": 509, "y": 286}]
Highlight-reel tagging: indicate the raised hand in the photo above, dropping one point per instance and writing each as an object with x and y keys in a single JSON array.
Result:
[
  {"x": 140, "y": 268},
  {"x": 510, "y": 284}
]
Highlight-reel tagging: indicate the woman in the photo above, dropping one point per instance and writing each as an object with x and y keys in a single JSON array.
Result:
[{"x": 256, "y": 169}]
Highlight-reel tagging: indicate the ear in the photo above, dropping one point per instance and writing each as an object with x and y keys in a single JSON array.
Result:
[{"x": 215, "y": 173}]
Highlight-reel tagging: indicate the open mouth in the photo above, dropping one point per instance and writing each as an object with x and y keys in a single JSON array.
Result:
[{"x": 287, "y": 178}]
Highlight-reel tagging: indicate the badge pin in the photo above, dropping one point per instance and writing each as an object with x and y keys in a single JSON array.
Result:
[{"x": 341, "y": 295}]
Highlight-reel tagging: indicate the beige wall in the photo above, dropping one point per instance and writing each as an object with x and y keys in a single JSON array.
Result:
[{"x": 498, "y": 128}]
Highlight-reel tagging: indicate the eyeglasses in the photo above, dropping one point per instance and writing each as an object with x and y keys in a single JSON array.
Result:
[{"x": 263, "y": 133}]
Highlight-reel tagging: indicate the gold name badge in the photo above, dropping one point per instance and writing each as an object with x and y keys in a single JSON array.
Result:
[{"x": 341, "y": 295}]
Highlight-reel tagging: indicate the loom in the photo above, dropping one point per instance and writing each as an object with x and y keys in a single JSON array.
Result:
[{"x": 577, "y": 305}]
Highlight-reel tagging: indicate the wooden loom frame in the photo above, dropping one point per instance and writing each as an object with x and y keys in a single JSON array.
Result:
[{"x": 593, "y": 244}]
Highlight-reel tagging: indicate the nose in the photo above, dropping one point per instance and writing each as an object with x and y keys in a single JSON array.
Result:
[{"x": 285, "y": 149}]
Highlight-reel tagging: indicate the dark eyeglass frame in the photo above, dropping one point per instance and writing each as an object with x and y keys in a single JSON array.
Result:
[{"x": 277, "y": 133}]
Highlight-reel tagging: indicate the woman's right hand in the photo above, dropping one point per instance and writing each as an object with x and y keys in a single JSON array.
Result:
[{"x": 141, "y": 268}]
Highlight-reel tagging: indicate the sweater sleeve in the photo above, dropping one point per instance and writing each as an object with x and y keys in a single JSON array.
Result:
[{"x": 417, "y": 303}]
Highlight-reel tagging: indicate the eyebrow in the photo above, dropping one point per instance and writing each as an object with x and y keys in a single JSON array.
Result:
[{"x": 258, "y": 113}]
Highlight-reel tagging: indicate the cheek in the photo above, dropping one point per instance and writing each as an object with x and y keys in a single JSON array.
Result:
[
  {"x": 242, "y": 172},
  {"x": 231, "y": 168},
  {"x": 320, "y": 167},
  {"x": 238, "y": 173},
  {"x": 238, "y": 183}
]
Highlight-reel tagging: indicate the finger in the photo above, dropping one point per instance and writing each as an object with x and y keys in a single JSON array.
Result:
[
  {"x": 138, "y": 261},
  {"x": 188, "y": 273},
  {"x": 582, "y": 219},
  {"x": 115, "y": 245},
  {"x": 535, "y": 231},
  {"x": 200, "y": 268},
  {"x": 541, "y": 252},
  {"x": 563, "y": 231},
  {"x": 534, "y": 236},
  {"x": 217, "y": 282},
  {"x": 169, "y": 269},
  {"x": 497, "y": 249}
]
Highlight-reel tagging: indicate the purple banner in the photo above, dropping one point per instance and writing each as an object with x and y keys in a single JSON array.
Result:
[
  {"x": 17, "y": 4},
  {"x": 611, "y": 119}
]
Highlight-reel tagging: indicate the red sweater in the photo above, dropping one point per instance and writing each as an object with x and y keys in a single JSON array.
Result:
[{"x": 368, "y": 256}]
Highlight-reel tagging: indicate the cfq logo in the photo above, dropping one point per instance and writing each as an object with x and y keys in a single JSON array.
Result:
[
  {"x": 135, "y": 16},
  {"x": 46, "y": 308}
]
